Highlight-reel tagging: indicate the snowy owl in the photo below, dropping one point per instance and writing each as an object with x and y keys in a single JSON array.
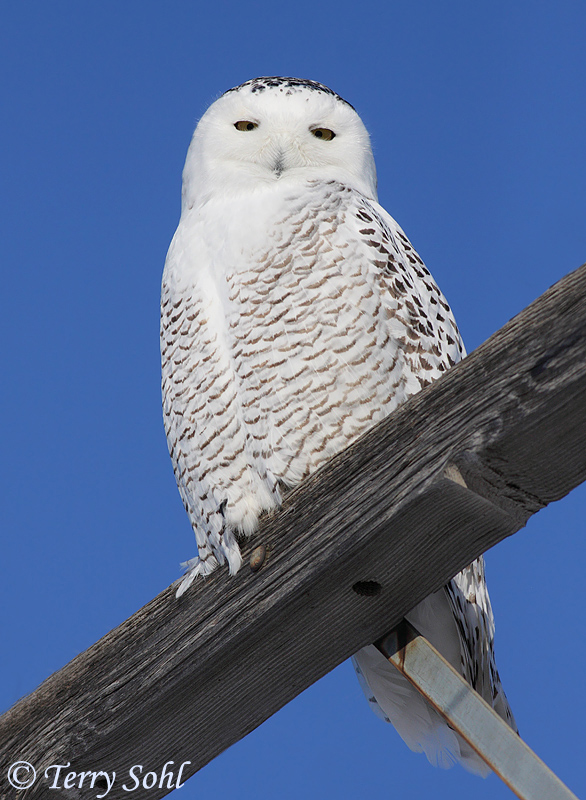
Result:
[{"x": 295, "y": 315}]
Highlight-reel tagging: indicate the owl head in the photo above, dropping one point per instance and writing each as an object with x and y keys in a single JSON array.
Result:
[{"x": 272, "y": 134}]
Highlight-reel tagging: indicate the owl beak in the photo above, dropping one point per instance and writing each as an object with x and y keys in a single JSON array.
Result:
[
  {"x": 279, "y": 164},
  {"x": 282, "y": 154}
]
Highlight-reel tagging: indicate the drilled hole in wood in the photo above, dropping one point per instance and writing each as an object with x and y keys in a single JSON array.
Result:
[{"x": 367, "y": 588}]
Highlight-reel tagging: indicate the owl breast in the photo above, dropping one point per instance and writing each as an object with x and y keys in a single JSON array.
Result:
[{"x": 277, "y": 356}]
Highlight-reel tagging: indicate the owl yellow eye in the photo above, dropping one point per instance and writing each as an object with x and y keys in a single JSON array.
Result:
[
  {"x": 245, "y": 125},
  {"x": 323, "y": 133}
]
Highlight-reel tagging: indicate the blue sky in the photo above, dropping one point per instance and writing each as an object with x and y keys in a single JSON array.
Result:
[{"x": 478, "y": 117}]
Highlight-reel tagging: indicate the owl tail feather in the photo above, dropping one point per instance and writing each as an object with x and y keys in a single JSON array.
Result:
[{"x": 393, "y": 698}]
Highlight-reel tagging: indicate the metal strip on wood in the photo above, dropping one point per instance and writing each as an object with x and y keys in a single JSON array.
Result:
[{"x": 495, "y": 742}]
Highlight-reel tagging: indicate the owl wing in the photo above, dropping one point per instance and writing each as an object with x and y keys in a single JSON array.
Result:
[
  {"x": 201, "y": 425},
  {"x": 458, "y": 618}
]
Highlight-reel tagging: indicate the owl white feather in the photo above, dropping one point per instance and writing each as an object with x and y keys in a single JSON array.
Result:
[{"x": 295, "y": 315}]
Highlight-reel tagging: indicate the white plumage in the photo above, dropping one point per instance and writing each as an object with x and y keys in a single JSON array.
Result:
[{"x": 295, "y": 315}]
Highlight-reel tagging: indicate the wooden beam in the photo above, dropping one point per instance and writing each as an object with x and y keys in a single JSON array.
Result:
[{"x": 459, "y": 467}]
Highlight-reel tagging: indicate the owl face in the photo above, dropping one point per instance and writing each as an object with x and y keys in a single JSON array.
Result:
[{"x": 274, "y": 133}]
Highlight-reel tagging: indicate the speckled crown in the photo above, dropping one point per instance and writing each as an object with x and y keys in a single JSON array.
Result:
[{"x": 286, "y": 85}]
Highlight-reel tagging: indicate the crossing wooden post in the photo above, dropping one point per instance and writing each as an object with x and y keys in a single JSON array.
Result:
[{"x": 467, "y": 713}]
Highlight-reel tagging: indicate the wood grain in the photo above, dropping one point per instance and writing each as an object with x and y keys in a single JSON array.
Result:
[{"x": 459, "y": 467}]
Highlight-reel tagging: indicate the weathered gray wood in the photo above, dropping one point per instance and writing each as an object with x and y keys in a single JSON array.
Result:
[{"x": 183, "y": 680}]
